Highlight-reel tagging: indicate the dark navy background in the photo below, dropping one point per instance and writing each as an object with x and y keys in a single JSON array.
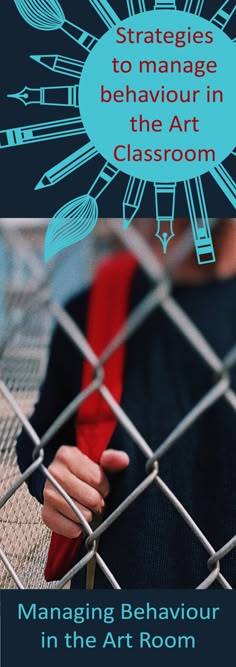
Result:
[
  {"x": 21, "y": 640},
  {"x": 21, "y": 167}
]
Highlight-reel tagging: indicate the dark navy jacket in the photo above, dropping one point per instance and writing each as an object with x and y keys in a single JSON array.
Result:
[{"x": 150, "y": 545}]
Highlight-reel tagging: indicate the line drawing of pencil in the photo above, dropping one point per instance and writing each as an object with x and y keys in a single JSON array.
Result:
[
  {"x": 136, "y": 7},
  {"x": 165, "y": 211},
  {"x": 60, "y": 64},
  {"x": 64, "y": 168},
  {"x": 132, "y": 199},
  {"x": 169, "y": 4},
  {"x": 76, "y": 219},
  {"x": 50, "y": 16},
  {"x": 226, "y": 182},
  {"x": 200, "y": 226},
  {"x": 59, "y": 96},
  {"x": 106, "y": 12},
  {"x": 224, "y": 14},
  {"x": 189, "y": 5},
  {"x": 29, "y": 134}
]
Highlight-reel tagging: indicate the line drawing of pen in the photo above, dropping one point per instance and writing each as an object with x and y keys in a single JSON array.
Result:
[
  {"x": 67, "y": 166},
  {"x": 29, "y": 134},
  {"x": 223, "y": 15},
  {"x": 76, "y": 219},
  {"x": 169, "y": 4},
  {"x": 200, "y": 226},
  {"x": 132, "y": 199},
  {"x": 226, "y": 182},
  {"x": 60, "y": 64},
  {"x": 165, "y": 211},
  {"x": 50, "y": 16},
  {"x": 59, "y": 96},
  {"x": 106, "y": 12},
  {"x": 189, "y": 4},
  {"x": 136, "y": 7}
]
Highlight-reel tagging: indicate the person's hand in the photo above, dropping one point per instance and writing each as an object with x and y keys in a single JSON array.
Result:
[{"x": 84, "y": 481}]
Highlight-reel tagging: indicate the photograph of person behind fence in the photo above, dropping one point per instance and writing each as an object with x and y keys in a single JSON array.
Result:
[{"x": 138, "y": 476}]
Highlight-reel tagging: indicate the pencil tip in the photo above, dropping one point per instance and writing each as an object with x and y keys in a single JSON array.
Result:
[
  {"x": 37, "y": 58},
  {"x": 125, "y": 223},
  {"x": 39, "y": 185}
]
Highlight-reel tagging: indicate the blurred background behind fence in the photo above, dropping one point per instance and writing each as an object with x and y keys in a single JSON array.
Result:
[{"x": 27, "y": 288}]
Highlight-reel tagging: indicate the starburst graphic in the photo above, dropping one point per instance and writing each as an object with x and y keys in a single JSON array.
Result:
[{"x": 78, "y": 217}]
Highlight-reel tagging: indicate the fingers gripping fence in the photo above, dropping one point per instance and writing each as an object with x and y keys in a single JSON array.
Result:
[{"x": 159, "y": 296}]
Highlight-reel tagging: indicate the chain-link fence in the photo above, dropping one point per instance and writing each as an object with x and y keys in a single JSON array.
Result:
[{"x": 24, "y": 345}]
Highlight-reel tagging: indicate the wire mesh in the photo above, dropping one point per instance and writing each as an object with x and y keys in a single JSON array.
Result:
[{"x": 22, "y": 365}]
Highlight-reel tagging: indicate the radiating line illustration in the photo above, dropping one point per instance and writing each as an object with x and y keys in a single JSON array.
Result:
[
  {"x": 49, "y": 15},
  {"x": 135, "y": 6},
  {"x": 226, "y": 183},
  {"x": 194, "y": 6},
  {"x": 59, "y": 96},
  {"x": 132, "y": 199},
  {"x": 200, "y": 226},
  {"x": 60, "y": 64},
  {"x": 165, "y": 211},
  {"x": 223, "y": 15},
  {"x": 77, "y": 218},
  {"x": 67, "y": 166},
  {"x": 29, "y": 134},
  {"x": 169, "y": 4},
  {"x": 106, "y": 12}
]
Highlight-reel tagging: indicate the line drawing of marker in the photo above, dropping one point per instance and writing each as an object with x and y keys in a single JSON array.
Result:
[
  {"x": 169, "y": 4},
  {"x": 136, "y": 7},
  {"x": 200, "y": 226},
  {"x": 224, "y": 14},
  {"x": 59, "y": 96},
  {"x": 106, "y": 12},
  {"x": 132, "y": 199},
  {"x": 76, "y": 219},
  {"x": 189, "y": 5},
  {"x": 29, "y": 134},
  {"x": 67, "y": 166},
  {"x": 60, "y": 64},
  {"x": 165, "y": 211},
  {"x": 50, "y": 16}
]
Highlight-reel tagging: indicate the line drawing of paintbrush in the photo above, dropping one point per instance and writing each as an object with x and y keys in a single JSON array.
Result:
[
  {"x": 76, "y": 219},
  {"x": 67, "y": 166},
  {"x": 49, "y": 15},
  {"x": 29, "y": 134},
  {"x": 106, "y": 12},
  {"x": 59, "y": 96}
]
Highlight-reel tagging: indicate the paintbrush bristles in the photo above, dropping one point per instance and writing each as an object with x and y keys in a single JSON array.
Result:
[
  {"x": 72, "y": 223},
  {"x": 41, "y": 14}
]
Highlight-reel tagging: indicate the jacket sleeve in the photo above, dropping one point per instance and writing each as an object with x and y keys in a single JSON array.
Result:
[{"x": 60, "y": 386}]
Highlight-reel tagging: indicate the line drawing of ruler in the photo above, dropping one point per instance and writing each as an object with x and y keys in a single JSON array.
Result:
[{"x": 200, "y": 227}]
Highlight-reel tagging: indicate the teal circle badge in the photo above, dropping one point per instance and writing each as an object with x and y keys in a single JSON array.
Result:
[{"x": 157, "y": 96}]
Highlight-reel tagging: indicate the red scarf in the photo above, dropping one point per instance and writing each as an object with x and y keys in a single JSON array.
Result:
[{"x": 95, "y": 422}]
